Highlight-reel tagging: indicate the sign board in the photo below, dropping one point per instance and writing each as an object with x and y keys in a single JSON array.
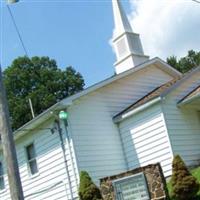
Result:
[{"x": 131, "y": 188}]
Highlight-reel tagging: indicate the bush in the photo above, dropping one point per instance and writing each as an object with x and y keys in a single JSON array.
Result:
[
  {"x": 87, "y": 189},
  {"x": 184, "y": 185}
]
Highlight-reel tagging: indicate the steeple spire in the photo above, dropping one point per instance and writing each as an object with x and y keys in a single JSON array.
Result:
[
  {"x": 121, "y": 21},
  {"x": 127, "y": 44}
]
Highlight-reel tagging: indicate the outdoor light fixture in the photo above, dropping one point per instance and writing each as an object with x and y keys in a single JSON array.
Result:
[{"x": 63, "y": 114}]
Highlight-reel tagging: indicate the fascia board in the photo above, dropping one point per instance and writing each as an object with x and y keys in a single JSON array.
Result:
[
  {"x": 137, "y": 110},
  {"x": 187, "y": 101},
  {"x": 167, "y": 91}
]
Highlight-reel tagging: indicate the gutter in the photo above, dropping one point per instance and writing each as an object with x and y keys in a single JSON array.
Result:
[
  {"x": 137, "y": 109},
  {"x": 29, "y": 126}
]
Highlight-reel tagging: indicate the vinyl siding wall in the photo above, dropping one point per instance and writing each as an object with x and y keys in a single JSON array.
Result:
[
  {"x": 96, "y": 138},
  {"x": 183, "y": 123},
  {"x": 52, "y": 176},
  {"x": 145, "y": 139}
]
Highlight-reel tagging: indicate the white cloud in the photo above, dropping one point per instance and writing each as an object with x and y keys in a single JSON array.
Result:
[{"x": 166, "y": 27}]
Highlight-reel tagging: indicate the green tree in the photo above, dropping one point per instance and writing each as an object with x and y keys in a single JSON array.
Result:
[
  {"x": 184, "y": 185},
  {"x": 186, "y": 63},
  {"x": 39, "y": 79},
  {"x": 87, "y": 189}
]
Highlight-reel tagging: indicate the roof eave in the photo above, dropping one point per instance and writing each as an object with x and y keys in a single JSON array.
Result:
[
  {"x": 69, "y": 100},
  {"x": 168, "y": 68},
  {"x": 136, "y": 110},
  {"x": 39, "y": 119},
  {"x": 167, "y": 91},
  {"x": 188, "y": 100}
]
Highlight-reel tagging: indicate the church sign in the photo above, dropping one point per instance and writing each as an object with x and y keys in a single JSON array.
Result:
[
  {"x": 131, "y": 188},
  {"x": 143, "y": 183}
]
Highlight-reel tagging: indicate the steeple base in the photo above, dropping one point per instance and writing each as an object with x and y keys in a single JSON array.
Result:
[{"x": 130, "y": 61}]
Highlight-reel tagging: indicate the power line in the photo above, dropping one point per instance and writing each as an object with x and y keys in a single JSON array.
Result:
[
  {"x": 196, "y": 1},
  {"x": 17, "y": 30}
]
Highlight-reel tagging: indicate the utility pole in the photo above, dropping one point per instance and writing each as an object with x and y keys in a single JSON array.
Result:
[
  {"x": 7, "y": 140},
  {"x": 8, "y": 145}
]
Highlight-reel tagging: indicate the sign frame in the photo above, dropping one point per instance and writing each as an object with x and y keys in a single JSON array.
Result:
[{"x": 120, "y": 180}]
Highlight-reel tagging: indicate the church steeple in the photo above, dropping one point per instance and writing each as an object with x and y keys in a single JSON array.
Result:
[
  {"x": 121, "y": 21},
  {"x": 127, "y": 44}
]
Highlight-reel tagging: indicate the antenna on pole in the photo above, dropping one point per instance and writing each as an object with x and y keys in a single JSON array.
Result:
[{"x": 31, "y": 107}]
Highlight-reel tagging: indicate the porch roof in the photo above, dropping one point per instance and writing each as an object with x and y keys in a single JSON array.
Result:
[
  {"x": 160, "y": 92},
  {"x": 147, "y": 98},
  {"x": 191, "y": 97}
]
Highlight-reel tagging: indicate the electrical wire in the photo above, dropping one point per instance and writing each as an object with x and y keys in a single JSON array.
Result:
[
  {"x": 45, "y": 189},
  {"x": 17, "y": 30},
  {"x": 37, "y": 129},
  {"x": 196, "y": 1}
]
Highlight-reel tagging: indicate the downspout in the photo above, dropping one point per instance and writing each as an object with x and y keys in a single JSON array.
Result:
[
  {"x": 123, "y": 148},
  {"x": 70, "y": 152},
  {"x": 64, "y": 155}
]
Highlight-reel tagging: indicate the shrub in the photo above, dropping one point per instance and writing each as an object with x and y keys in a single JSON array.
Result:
[
  {"x": 184, "y": 185},
  {"x": 87, "y": 189}
]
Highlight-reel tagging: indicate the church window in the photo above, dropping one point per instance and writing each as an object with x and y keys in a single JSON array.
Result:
[
  {"x": 2, "y": 183},
  {"x": 31, "y": 157}
]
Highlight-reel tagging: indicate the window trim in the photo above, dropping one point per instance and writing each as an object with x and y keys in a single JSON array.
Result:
[{"x": 28, "y": 161}]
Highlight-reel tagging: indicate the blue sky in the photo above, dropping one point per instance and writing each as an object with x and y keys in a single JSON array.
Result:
[{"x": 75, "y": 33}]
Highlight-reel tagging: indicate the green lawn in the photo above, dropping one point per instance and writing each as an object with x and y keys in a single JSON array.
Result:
[{"x": 195, "y": 172}]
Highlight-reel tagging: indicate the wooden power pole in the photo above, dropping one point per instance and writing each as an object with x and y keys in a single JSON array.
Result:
[{"x": 8, "y": 145}]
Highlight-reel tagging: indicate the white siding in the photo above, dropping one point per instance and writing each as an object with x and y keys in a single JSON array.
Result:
[
  {"x": 183, "y": 123},
  {"x": 96, "y": 138},
  {"x": 52, "y": 176},
  {"x": 145, "y": 139}
]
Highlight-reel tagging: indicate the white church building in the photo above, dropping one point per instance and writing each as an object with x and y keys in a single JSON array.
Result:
[{"x": 146, "y": 113}]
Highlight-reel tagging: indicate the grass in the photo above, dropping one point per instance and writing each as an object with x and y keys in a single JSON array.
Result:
[{"x": 195, "y": 172}]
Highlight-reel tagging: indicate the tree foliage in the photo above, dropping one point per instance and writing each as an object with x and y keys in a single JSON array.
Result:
[
  {"x": 186, "y": 63},
  {"x": 185, "y": 186},
  {"x": 87, "y": 189},
  {"x": 39, "y": 79}
]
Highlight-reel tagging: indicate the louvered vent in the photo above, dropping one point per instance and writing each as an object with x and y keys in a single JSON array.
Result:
[{"x": 121, "y": 47}]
